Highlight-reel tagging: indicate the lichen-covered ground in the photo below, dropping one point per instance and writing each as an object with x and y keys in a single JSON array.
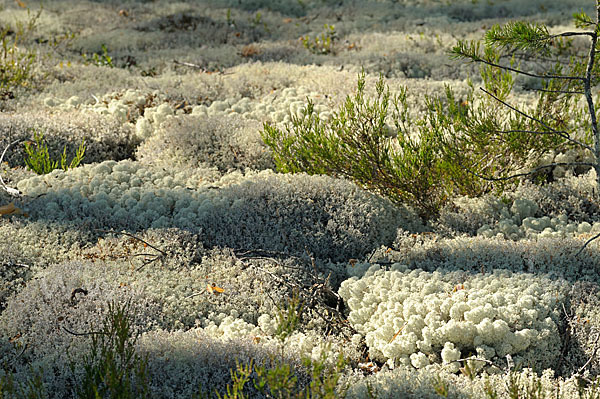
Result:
[{"x": 177, "y": 210}]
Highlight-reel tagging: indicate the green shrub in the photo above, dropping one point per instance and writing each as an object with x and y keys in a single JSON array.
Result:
[
  {"x": 33, "y": 388},
  {"x": 500, "y": 139},
  {"x": 321, "y": 44},
  {"x": 16, "y": 63},
  {"x": 279, "y": 381},
  {"x": 460, "y": 146},
  {"x": 112, "y": 369},
  {"x": 38, "y": 158},
  {"x": 98, "y": 59},
  {"x": 359, "y": 144},
  {"x": 288, "y": 318}
]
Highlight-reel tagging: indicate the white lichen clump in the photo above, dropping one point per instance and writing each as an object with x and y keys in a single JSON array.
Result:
[
  {"x": 279, "y": 106},
  {"x": 520, "y": 222},
  {"x": 148, "y": 111},
  {"x": 415, "y": 318},
  {"x": 282, "y": 212},
  {"x": 532, "y": 227}
]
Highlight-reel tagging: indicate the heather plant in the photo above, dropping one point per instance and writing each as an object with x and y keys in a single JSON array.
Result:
[
  {"x": 358, "y": 143},
  {"x": 322, "y": 44},
  {"x": 102, "y": 59},
  {"x": 112, "y": 369},
  {"x": 288, "y": 319},
  {"x": 39, "y": 161},
  {"x": 17, "y": 63},
  {"x": 33, "y": 388},
  {"x": 465, "y": 146},
  {"x": 323, "y": 383},
  {"x": 280, "y": 381}
]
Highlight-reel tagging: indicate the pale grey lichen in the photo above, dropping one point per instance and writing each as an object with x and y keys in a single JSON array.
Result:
[
  {"x": 556, "y": 256},
  {"x": 69, "y": 296},
  {"x": 412, "y": 317},
  {"x": 226, "y": 142},
  {"x": 327, "y": 217},
  {"x": 105, "y": 138}
]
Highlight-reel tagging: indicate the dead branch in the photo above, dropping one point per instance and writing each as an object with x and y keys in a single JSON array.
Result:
[
  {"x": 162, "y": 255},
  {"x": 562, "y": 134},
  {"x": 11, "y": 191},
  {"x": 310, "y": 295},
  {"x": 189, "y": 64},
  {"x": 586, "y": 244},
  {"x": 84, "y": 333}
]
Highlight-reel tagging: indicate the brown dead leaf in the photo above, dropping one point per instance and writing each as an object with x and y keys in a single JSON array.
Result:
[
  {"x": 11, "y": 209},
  {"x": 213, "y": 289}
]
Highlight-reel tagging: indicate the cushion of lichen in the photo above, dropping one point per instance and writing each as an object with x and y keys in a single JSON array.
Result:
[
  {"x": 153, "y": 34},
  {"x": 104, "y": 137},
  {"x": 402, "y": 382},
  {"x": 42, "y": 312},
  {"x": 133, "y": 40},
  {"x": 572, "y": 196},
  {"x": 404, "y": 312},
  {"x": 168, "y": 294},
  {"x": 327, "y": 217},
  {"x": 251, "y": 285},
  {"x": 466, "y": 215},
  {"x": 584, "y": 326},
  {"x": 225, "y": 142},
  {"x": 183, "y": 274},
  {"x": 28, "y": 247},
  {"x": 38, "y": 314},
  {"x": 556, "y": 256},
  {"x": 182, "y": 363}
]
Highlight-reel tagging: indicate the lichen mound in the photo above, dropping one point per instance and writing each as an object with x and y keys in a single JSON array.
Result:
[
  {"x": 330, "y": 218},
  {"x": 415, "y": 318}
]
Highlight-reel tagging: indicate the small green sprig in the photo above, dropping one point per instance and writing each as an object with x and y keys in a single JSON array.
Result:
[
  {"x": 99, "y": 59},
  {"x": 17, "y": 63},
  {"x": 321, "y": 44},
  {"x": 38, "y": 157},
  {"x": 112, "y": 368},
  {"x": 289, "y": 318}
]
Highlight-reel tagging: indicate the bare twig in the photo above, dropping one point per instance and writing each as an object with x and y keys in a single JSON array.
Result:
[
  {"x": 309, "y": 294},
  {"x": 586, "y": 244},
  {"x": 533, "y": 75},
  {"x": 78, "y": 291},
  {"x": 478, "y": 360},
  {"x": 84, "y": 333},
  {"x": 592, "y": 356},
  {"x": 12, "y": 191},
  {"x": 542, "y": 123},
  {"x": 14, "y": 360},
  {"x": 162, "y": 255},
  {"x": 567, "y": 34},
  {"x": 135, "y": 237},
  {"x": 189, "y": 64},
  {"x": 531, "y": 172},
  {"x": 560, "y": 133},
  {"x": 587, "y": 88},
  {"x": 560, "y": 91}
]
